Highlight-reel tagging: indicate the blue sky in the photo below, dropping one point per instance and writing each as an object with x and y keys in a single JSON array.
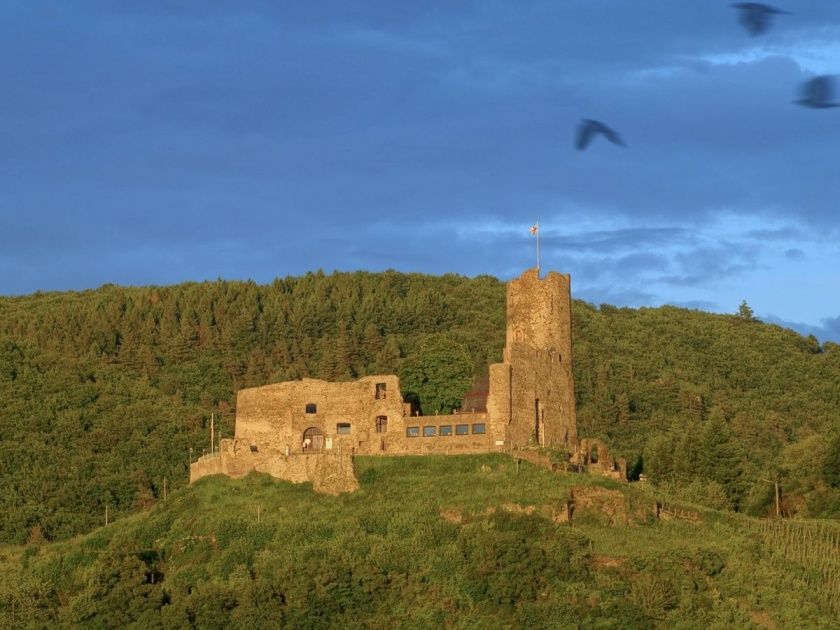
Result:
[{"x": 158, "y": 142}]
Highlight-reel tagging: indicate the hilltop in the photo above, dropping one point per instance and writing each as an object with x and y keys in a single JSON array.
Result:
[
  {"x": 464, "y": 541},
  {"x": 103, "y": 393}
]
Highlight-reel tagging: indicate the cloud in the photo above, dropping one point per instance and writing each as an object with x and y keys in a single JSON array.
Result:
[{"x": 273, "y": 138}]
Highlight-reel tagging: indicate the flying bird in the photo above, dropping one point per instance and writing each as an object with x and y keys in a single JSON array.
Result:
[
  {"x": 755, "y": 17},
  {"x": 588, "y": 129},
  {"x": 818, "y": 93}
]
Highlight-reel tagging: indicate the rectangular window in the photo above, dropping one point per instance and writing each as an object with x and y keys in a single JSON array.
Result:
[
  {"x": 311, "y": 408},
  {"x": 380, "y": 391},
  {"x": 462, "y": 429},
  {"x": 478, "y": 429},
  {"x": 412, "y": 432},
  {"x": 429, "y": 431},
  {"x": 342, "y": 428},
  {"x": 445, "y": 429},
  {"x": 381, "y": 424}
]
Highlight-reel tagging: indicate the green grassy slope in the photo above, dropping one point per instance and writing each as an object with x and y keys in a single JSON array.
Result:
[
  {"x": 461, "y": 542},
  {"x": 103, "y": 392}
]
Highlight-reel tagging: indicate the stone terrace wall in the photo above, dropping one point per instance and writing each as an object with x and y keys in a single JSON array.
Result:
[
  {"x": 329, "y": 472},
  {"x": 204, "y": 466}
]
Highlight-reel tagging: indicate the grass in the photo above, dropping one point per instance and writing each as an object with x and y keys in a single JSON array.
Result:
[{"x": 462, "y": 542}]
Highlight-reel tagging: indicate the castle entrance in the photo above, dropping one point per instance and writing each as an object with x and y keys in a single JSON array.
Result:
[{"x": 313, "y": 440}]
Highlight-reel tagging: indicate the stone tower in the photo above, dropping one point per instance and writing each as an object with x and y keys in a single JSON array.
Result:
[{"x": 536, "y": 375}]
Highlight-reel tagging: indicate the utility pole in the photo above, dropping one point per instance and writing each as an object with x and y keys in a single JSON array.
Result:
[
  {"x": 164, "y": 489},
  {"x": 212, "y": 433},
  {"x": 106, "y": 515},
  {"x": 775, "y": 485}
]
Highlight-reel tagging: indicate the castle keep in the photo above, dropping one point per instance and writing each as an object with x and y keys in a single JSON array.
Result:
[{"x": 308, "y": 430}]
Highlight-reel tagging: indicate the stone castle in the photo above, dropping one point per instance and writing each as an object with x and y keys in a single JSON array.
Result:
[{"x": 309, "y": 430}]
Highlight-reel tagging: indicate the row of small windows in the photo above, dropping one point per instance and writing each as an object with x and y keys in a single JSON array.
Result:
[{"x": 446, "y": 429}]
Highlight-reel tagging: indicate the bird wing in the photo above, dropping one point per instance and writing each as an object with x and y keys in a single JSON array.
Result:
[
  {"x": 585, "y": 131},
  {"x": 612, "y": 136}
]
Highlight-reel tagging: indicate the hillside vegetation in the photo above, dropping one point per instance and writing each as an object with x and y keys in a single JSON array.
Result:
[
  {"x": 103, "y": 393},
  {"x": 459, "y": 542}
]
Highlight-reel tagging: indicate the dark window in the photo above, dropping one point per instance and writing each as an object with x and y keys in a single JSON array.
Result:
[
  {"x": 253, "y": 448},
  {"x": 380, "y": 391},
  {"x": 429, "y": 431},
  {"x": 311, "y": 408},
  {"x": 342, "y": 428},
  {"x": 412, "y": 432},
  {"x": 381, "y": 424},
  {"x": 478, "y": 429},
  {"x": 462, "y": 429},
  {"x": 445, "y": 429}
]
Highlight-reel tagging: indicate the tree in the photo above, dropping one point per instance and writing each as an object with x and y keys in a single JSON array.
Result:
[
  {"x": 437, "y": 375},
  {"x": 745, "y": 312}
]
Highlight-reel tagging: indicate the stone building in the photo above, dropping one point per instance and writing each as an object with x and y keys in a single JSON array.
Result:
[{"x": 309, "y": 430}]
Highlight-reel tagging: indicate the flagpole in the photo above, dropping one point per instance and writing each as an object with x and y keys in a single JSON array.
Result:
[{"x": 538, "y": 247}]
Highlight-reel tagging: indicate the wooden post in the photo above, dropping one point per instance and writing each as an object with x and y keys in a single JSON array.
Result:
[
  {"x": 778, "y": 507},
  {"x": 164, "y": 489},
  {"x": 106, "y": 515}
]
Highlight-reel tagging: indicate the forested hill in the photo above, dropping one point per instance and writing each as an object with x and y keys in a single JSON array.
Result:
[{"x": 103, "y": 392}]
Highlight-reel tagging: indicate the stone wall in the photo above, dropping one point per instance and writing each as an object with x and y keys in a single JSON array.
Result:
[
  {"x": 330, "y": 472},
  {"x": 276, "y": 416},
  {"x": 204, "y": 466},
  {"x": 462, "y": 437}
]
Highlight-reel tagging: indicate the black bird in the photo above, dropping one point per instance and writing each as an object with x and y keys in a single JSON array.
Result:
[
  {"x": 755, "y": 17},
  {"x": 818, "y": 93},
  {"x": 588, "y": 129}
]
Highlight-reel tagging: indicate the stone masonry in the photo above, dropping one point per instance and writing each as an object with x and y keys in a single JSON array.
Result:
[{"x": 309, "y": 430}]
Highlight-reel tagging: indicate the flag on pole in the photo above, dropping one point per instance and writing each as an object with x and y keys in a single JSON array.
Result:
[{"x": 534, "y": 229}]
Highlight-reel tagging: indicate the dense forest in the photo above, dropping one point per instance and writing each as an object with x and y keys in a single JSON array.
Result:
[{"x": 104, "y": 394}]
